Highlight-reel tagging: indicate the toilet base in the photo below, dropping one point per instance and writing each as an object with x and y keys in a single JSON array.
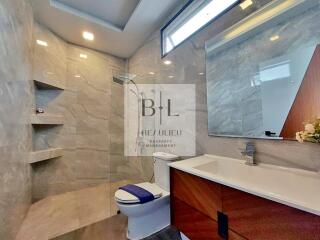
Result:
[{"x": 144, "y": 226}]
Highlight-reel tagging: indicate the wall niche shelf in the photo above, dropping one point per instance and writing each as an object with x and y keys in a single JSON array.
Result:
[
  {"x": 44, "y": 155},
  {"x": 45, "y": 85},
  {"x": 46, "y": 119}
]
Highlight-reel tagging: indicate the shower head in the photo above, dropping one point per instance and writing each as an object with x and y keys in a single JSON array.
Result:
[{"x": 123, "y": 78}]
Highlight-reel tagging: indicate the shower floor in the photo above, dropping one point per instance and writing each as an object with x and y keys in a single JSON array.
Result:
[
  {"x": 113, "y": 228},
  {"x": 60, "y": 214}
]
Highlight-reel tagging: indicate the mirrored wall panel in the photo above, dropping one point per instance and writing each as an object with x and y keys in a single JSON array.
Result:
[{"x": 263, "y": 74}]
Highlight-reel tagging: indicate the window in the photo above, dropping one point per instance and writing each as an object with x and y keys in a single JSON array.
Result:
[{"x": 190, "y": 19}]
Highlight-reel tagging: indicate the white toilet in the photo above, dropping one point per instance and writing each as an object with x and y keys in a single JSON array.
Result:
[{"x": 148, "y": 218}]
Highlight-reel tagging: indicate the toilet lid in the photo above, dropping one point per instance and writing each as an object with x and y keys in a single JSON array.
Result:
[{"x": 125, "y": 197}]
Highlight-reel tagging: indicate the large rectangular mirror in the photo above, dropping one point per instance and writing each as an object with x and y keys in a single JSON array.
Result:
[{"x": 263, "y": 73}]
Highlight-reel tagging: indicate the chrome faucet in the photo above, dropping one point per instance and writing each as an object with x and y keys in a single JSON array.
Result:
[{"x": 248, "y": 153}]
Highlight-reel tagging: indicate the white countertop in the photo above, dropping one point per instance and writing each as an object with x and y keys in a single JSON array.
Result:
[{"x": 292, "y": 187}]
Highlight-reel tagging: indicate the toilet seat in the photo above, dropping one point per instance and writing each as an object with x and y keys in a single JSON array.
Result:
[{"x": 122, "y": 196}]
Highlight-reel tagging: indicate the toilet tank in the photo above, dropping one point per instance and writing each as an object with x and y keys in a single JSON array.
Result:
[{"x": 161, "y": 169}]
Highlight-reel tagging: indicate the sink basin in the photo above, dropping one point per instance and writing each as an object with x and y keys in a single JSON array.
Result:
[{"x": 293, "y": 187}]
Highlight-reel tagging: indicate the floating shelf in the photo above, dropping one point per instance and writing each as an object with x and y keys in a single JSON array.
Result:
[
  {"x": 46, "y": 119},
  {"x": 48, "y": 85},
  {"x": 43, "y": 155}
]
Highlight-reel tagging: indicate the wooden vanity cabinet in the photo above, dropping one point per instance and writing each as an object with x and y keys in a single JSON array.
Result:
[
  {"x": 195, "y": 224},
  {"x": 195, "y": 203},
  {"x": 258, "y": 218}
]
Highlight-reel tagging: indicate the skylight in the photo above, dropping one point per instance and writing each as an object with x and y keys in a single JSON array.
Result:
[{"x": 190, "y": 19}]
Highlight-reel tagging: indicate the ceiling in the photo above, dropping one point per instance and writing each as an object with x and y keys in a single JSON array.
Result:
[{"x": 120, "y": 26}]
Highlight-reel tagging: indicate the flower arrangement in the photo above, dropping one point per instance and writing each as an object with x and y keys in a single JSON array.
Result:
[{"x": 311, "y": 133}]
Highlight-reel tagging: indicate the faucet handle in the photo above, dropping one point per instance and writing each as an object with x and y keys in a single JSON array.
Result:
[
  {"x": 250, "y": 146},
  {"x": 249, "y": 150},
  {"x": 249, "y": 153}
]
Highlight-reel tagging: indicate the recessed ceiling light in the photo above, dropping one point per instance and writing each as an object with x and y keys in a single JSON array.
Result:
[
  {"x": 88, "y": 36},
  {"x": 245, "y": 4},
  {"x": 42, "y": 43},
  {"x": 167, "y": 62},
  {"x": 171, "y": 76},
  {"x": 151, "y": 73},
  {"x": 77, "y": 76},
  {"x": 83, "y": 56},
  {"x": 274, "y": 38},
  {"x": 200, "y": 73}
]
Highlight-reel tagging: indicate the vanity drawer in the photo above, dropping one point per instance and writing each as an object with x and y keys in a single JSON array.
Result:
[
  {"x": 194, "y": 224},
  {"x": 261, "y": 219},
  {"x": 199, "y": 193}
]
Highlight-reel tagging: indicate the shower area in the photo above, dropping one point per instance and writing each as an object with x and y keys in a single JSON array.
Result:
[{"x": 77, "y": 142}]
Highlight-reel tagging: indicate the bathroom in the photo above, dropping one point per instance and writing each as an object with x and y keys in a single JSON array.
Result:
[{"x": 80, "y": 87}]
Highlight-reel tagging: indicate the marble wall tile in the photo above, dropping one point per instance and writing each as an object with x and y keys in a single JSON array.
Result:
[
  {"x": 16, "y": 104},
  {"x": 49, "y": 62},
  {"x": 187, "y": 67},
  {"x": 92, "y": 164},
  {"x": 86, "y": 104}
]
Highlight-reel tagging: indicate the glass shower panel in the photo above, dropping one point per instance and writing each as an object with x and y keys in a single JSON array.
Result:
[{"x": 125, "y": 168}]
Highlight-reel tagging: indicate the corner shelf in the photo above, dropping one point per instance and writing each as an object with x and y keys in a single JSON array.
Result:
[
  {"x": 43, "y": 85},
  {"x": 43, "y": 155},
  {"x": 46, "y": 119}
]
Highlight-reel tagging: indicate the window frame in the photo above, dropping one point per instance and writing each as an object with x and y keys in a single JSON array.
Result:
[{"x": 163, "y": 55}]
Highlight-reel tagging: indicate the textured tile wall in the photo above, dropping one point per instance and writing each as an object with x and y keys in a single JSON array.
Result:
[
  {"x": 16, "y": 104},
  {"x": 187, "y": 67},
  {"x": 86, "y": 105}
]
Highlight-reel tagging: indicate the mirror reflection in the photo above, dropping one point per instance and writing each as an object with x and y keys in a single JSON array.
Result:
[{"x": 255, "y": 86}]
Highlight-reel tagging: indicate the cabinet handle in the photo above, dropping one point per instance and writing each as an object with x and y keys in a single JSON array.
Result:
[{"x": 223, "y": 225}]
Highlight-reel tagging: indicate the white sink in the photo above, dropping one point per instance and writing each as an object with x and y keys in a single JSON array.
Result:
[{"x": 293, "y": 187}]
